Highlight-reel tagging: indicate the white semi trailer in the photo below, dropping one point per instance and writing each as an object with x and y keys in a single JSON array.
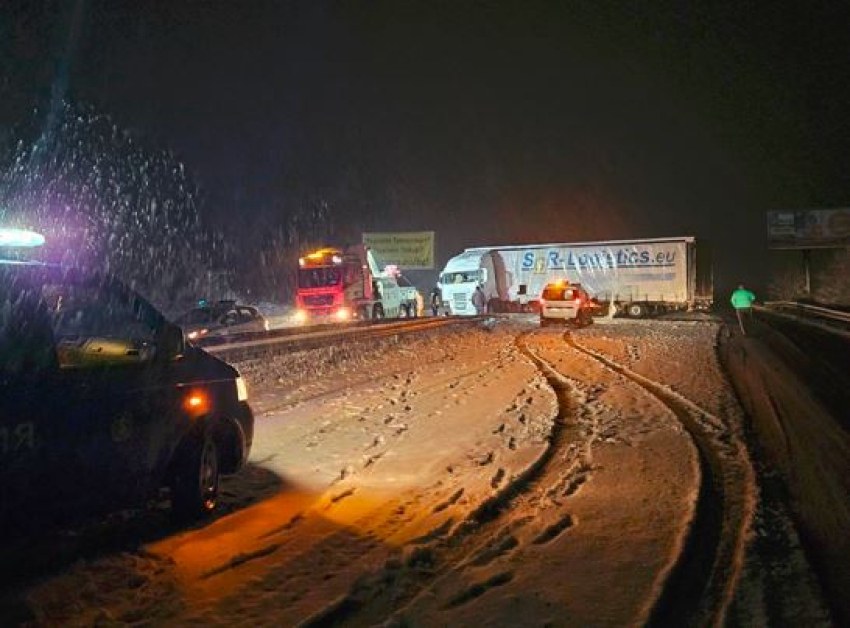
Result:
[{"x": 637, "y": 277}]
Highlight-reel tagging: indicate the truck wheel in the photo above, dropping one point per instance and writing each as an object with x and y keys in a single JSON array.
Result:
[
  {"x": 414, "y": 310},
  {"x": 378, "y": 311},
  {"x": 363, "y": 313},
  {"x": 636, "y": 310},
  {"x": 195, "y": 483}
]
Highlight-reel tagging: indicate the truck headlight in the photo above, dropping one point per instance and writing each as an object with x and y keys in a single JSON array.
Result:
[
  {"x": 241, "y": 389},
  {"x": 343, "y": 314}
]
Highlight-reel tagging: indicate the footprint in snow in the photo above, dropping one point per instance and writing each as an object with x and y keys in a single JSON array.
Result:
[
  {"x": 449, "y": 502},
  {"x": 497, "y": 479},
  {"x": 501, "y": 547},
  {"x": 480, "y": 588},
  {"x": 553, "y": 531}
]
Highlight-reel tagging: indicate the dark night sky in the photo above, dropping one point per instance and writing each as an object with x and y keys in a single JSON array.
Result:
[{"x": 489, "y": 122}]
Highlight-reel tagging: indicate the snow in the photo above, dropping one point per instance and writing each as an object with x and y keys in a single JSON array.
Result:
[{"x": 489, "y": 475}]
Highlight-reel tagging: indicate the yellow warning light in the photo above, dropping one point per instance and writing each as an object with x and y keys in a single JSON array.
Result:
[{"x": 196, "y": 403}]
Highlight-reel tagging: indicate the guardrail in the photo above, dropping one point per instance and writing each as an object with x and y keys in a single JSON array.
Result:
[
  {"x": 265, "y": 344},
  {"x": 814, "y": 311}
]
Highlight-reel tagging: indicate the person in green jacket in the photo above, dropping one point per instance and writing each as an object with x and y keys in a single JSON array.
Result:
[{"x": 742, "y": 300}]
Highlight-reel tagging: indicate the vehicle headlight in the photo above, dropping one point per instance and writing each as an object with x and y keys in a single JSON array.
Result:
[
  {"x": 343, "y": 314},
  {"x": 300, "y": 316},
  {"x": 241, "y": 389}
]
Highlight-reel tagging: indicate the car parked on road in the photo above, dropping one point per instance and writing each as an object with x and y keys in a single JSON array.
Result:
[
  {"x": 103, "y": 403},
  {"x": 563, "y": 302},
  {"x": 221, "y": 318}
]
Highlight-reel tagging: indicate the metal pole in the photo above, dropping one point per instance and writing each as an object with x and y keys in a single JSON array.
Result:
[{"x": 807, "y": 265}]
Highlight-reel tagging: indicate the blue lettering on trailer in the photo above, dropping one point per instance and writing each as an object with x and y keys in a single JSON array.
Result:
[{"x": 563, "y": 259}]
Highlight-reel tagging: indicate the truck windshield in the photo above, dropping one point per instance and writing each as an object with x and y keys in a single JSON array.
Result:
[
  {"x": 468, "y": 276},
  {"x": 319, "y": 277}
]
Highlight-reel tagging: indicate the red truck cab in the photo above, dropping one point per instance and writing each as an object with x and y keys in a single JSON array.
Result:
[{"x": 333, "y": 284}]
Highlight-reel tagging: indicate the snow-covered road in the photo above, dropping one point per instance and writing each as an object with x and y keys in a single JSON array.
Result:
[{"x": 496, "y": 474}]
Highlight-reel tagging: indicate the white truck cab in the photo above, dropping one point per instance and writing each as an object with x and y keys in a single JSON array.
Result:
[
  {"x": 495, "y": 271},
  {"x": 462, "y": 274}
]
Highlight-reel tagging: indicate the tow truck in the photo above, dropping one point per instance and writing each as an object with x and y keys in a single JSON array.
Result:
[
  {"x": 102, "y": 401},
  {"x": 342, "y": 284}
]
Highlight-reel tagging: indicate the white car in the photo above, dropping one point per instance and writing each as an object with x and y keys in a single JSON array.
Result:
[{"x": 564, "y": 302}]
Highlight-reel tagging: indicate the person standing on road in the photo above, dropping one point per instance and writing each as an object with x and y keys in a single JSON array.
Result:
[
  {"x": 479, "y": 300},
  {"x": 742, "y": 300},
  {"x": 436, "y": 300}
]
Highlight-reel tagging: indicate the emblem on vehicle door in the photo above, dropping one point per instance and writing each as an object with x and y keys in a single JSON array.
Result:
[
  {"x": 122, "y": 428},
  {"x": 16, "y": 438}
]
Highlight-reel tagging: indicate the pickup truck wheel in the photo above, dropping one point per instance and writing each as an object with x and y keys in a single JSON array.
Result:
[
  {"x": 194, "y": 486},
  {"x": 378, "y": 311}
]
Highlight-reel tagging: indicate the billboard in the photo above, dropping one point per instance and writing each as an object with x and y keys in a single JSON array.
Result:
[
  {"x": 808, "y": 228},
  {"x": 409, "y": 250}
]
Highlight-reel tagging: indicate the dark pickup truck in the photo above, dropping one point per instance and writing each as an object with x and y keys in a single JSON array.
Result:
[{"x": 103, "y": 403}]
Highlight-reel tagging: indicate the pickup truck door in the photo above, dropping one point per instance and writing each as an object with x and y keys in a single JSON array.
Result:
[
  {"x": 88, "y": 420},
  {"x": 119, "y": 390}
]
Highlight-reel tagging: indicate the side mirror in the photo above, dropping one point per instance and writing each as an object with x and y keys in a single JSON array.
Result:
[{"x": 172, "y": 343}]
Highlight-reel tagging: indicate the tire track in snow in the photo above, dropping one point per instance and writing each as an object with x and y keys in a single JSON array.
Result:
[
  {"x": 702, "y": 582},
  {"x": 488, "y": 533}
]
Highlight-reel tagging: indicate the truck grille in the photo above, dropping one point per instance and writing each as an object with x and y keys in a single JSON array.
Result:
[
  {"x": 459, "y": 301},
  {"x": 319, "y": 299}
]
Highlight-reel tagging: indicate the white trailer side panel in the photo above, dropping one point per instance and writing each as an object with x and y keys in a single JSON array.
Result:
[{"x": 653, "y": 271}]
